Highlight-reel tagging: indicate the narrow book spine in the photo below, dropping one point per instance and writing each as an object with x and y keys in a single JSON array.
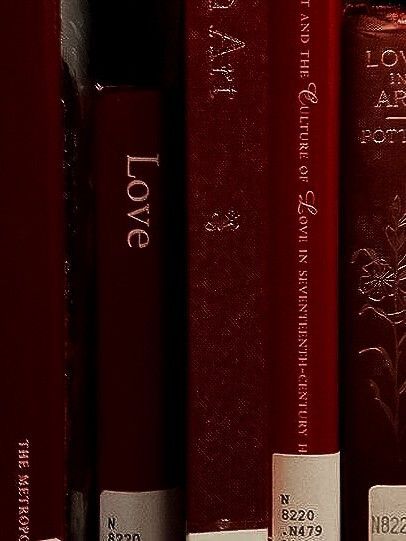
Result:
[
  {"x": 32, "y": 337},
  {"x": 228, "y": 196},
  {"x": 304, "y": 362},
  {"x": 135, "y": 473},
  {"x": 374, "y": 255}
]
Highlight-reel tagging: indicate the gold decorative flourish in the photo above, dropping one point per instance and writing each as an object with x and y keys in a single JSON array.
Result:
[{"x": 224, "y": 221}]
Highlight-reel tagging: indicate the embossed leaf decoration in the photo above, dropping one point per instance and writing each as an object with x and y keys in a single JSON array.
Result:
[
  {"x": 383, "y": 356},
  {"x": 402, "y": 340},
  {"x": 394, "y": 318},
  {"x": 377, "y": 397},
  {"x": 401, "y": 278},
  {"x": 402, "y": 261},
  {"x": 395, "y": 240},
  {"x": 396, "y": 208},
  {"x": 401, "y": 235},
  {"x": 368, "y": 252},
  {"x": 383, "y": 284},
  {"x": 403, "y": 388}
]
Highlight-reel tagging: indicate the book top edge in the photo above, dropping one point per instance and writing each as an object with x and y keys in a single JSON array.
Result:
[{"x": 377, "y": 17}]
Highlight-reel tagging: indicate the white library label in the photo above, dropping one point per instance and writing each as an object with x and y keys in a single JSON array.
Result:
[
  {"x": 140, "y": 516},
  {"x": 306, "y": 497},
  {"x": 387, "y": 513}
]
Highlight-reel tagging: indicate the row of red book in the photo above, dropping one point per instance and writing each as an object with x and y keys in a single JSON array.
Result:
[{"x": 203, "y": 275}]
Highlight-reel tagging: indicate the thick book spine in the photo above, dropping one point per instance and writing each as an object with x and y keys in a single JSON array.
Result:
[
  {"x": 32, "y": 328},
  {"x": 137, "y": 491},
  {"x": 374, "y": 256},
  {"x": 304, "y": 225},
  {"x": 228, "y": 250}
]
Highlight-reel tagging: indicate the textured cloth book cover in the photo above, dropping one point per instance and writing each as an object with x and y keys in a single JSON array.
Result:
[
  {"x": 228, "y": 189},
  {"x": 304, "y": 249},
  {"x": 374, "y": 255}
]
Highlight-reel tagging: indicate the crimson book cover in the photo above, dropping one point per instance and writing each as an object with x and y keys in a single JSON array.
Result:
[
  {"x": 304, "y": 422},
  {"x": 138, "y": 480},
  {"x": 136, "y": 172},
  {"x": 228, "y": 191},
  {"x": 33, "y": 238},
  {"x": 374, "y": 218}
]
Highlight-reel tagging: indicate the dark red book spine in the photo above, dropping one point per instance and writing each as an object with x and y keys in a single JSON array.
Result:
[
  {"x": 304, "y": 227},
  {"x": 136, "y": 475},
  {"x": 228, "y": 250},
  {"x": 32, "y": 339},
  {"x": 374, "y": 256}
]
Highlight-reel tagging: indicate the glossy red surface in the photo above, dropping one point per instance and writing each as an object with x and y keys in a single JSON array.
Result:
[
  {"x": 304, "y": 227},
  {"x": 310, "y": 304}
]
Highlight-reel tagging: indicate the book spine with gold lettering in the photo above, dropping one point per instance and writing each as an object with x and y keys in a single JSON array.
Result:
[
  {"x": 228, "y": 187},
  {"x": 304, "y": 425},
  {"x": 136, "y": 174},
  {"x": 32, "y": 466},
  {"x": 136, "y": 478},
  {"x": 36, "y": 39},
  {"x": 374, "y": 256}
]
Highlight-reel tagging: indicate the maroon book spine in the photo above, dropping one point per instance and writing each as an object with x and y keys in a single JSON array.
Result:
[
  {"x": 304, "y": 225},
  {"x": 228, "y": 251},
  {"x": 136, "y": 478},
  {"x": 32, "y": 339},
  {"x": 374, "y": 256}
]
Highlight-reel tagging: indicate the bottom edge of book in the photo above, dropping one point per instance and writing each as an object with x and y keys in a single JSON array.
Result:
[{"x": 236, "y": 535}]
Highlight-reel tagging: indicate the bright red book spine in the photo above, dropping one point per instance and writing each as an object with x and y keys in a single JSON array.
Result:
[
  {"x": 137, "y": 477},
  {"x": 32, "y": 238},
  {"x": 228, "y": 189},
  {"x": 304, "y": 225}
]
